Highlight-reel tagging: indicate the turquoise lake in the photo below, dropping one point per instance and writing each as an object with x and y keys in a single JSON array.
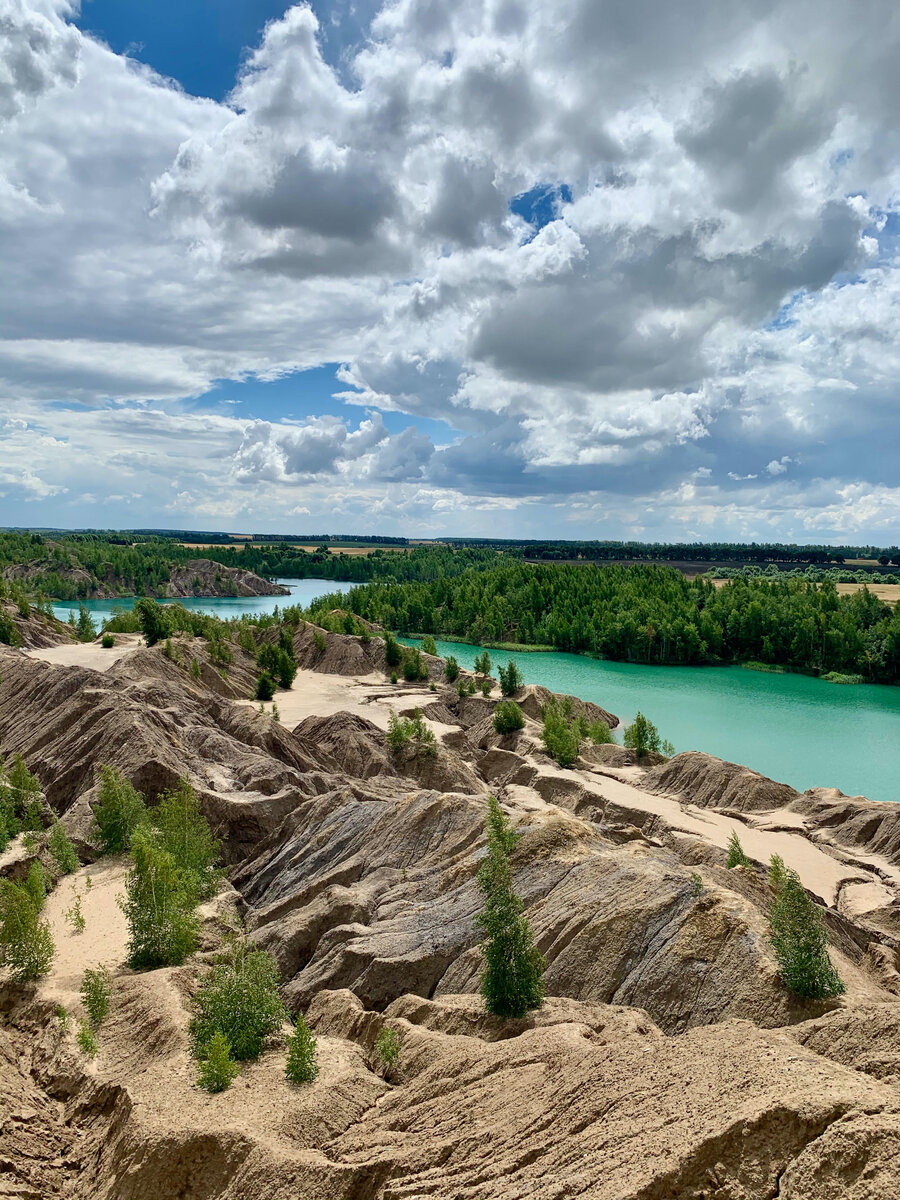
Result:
[{"x": 793, "y": 728}]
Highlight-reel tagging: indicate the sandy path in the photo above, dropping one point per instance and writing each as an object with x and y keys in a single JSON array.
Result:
[
  {"x": 89, "y": 654},
  {"x": 105, "y": 935},
  {"x": 316, "y": 695}
]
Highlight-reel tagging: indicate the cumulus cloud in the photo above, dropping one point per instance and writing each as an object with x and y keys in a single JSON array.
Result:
[{"x": 628, "y": 252}]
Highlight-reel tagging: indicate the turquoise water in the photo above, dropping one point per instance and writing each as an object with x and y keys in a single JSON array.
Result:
[
  {"x": 303, "y": 592},
  {"x": 793, "y": 728}
]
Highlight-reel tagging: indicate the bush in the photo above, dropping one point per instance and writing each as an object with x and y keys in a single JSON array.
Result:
[
  {"x": 217, "y": 1068},
  {"x": 510, "y": 679},
  {"x": 87, "y": 1041},
  {"x": 485, "y": 687},
  {"x": 195, "y": 667},
  {"x": 155, "y": 623},
  {"x": 412, "y": 732},
  {"x": 265, "y": 686},
  {"x": 736, "y": 855},
  {"x": 20, "y": 800},
  {"x": 387, "y": 1050},
  {"x": 393, "y": 653},
  {"x": 107, "y": 641},
  {"x": 36, "y": 884},
  {"x": 319, "y": 641},
  {"x": 301, "y": 1066},
  {"x": 158, "y": 905},
  {"x": 483, "y": 664},
  {"x": 508, "y": 717},
  {"x": 642, "y": 736},
  {"x": 120, "y": 809},
  {"x": 75, "y": 916},
  {"x": 597, "y": 732},
  {"x": 185, "y": 834},
  {"x": 26, "y": 945},
  {"x": 85, "y": 627},
  {"x": 393, "y": 676},
  {"x": 428, "y": 645},
  {"x": 239, "y": 998},
  {"x": 798, "y": 939},
  {"x": 414, "y": 667},
  {"x": 561, "y": 735},
  {"x": 96, "y": 991},
  {"x": 60, "y": 846},
  {"x": 451, "y": 669},
  {"x": 512, "y": 979}
]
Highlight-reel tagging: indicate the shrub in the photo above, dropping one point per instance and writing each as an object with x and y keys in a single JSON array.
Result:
[
  {"x": 185, "y": 834},
  {"x": 319, "y": 641},
  {"x": 217, "y": 1068},
  {"x": 512, "y": 978},
  {"x": 154, "y": 621},
  {"x": 85, "y": 627},
  {"x": 96, "y": 991},
  {"x": 393, "y": 676},
  {"x": 239, "y": 998},
  {"x": 510, "y": 679},
  {"x": 301, "y": 1066},
  {"x": 107, "y": 641},
  {"x": 696, "y": 885},
  {"x": 561, "y": 736},
  {"x": 20, "y": 800},
  {"x": 158, "y": 905},
  {"x": 265, "y": 686},
  {"x": 428, "y": 645},
  {"x": 412, "y": 732},
  {"x": 120, "y": 809},
  {"x": 36, "y": 884},
  {"x": 26, "y": 945},
  {"x": 451, "y": 669},
  {"x": 393, "y": 653},
  {"x": 642, "y": 736},
  {"x": 597, "y": 732},
  {"x": 414, "y": 667},
  {"x": 485, "y": 687},
  {"x": 483, "y": 664},
  {"x": 195, "y": 667},
  {"x": 798, "y": 938},
  {"x": 75, "y": 916},
  {"x": 508, "y": 717},
  {"x": 87, "y": 1041},
  {"x": 736, "y": 855},
  {"x": 60, "y": 846},
  {"x": 387, "y": 1050}
]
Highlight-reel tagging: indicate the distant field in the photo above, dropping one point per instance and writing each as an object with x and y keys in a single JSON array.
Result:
[
  {"x": 889, "y": 592},
  {"x": 348, "y": 548}
]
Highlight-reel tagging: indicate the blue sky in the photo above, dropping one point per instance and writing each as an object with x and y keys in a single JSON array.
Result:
[{"x": 569, "y": 268}]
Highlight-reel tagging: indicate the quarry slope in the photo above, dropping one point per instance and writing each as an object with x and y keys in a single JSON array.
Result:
[{"x": 667, "y": 1061}]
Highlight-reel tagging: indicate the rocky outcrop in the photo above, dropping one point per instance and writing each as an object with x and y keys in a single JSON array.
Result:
[
  {"x": 35, "y": 631},
  {"x": 201, "y": 577},
  {"x": 532, "y": 698}
]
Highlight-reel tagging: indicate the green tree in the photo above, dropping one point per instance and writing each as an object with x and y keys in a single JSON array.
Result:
[
  {"x": 153, "y": 619},
  {"x": 512, "y": 979},
  {"x": 217, "y": 1068},
  {"x": 797, "y": 933},
  {"x": 483, "y": 664},
  {"x": 265, "y": 686},
  {"x": 86, "y": 628},
  {"x": 26, "y": 944},
  {"x": 96, "y": 993},
  {"x": 508, "y": 717},
  {"x": 120, "y": 809},
  {"x": 239, "y": 998},
  {"x": 451, "y": 669},
  {"x": 736, "y": 855},
  {"x": 412, "y": 732},
  {"x": 159, "y": 905},
  {"x": 561, "y": 735},
  {"x": 642, "y": 736},
  {"x": 36, "y": 884},
  {"x": 60, "y": 846},
  {"x": 393, "y": 652},
  {"x": 428, "y": 645},
  {"x": 510, "y": 679},
  {"x": 301, "y": 1066},
  {"x": 185, "y": 834}
]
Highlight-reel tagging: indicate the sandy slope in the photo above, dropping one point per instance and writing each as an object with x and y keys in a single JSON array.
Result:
[{"x": 89, "y": 654}]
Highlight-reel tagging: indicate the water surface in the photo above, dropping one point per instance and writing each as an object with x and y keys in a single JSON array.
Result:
[{"x": 794, "y": 728}]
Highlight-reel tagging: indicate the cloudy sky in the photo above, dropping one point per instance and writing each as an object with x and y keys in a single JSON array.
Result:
[{"x": 582, "y": 268}]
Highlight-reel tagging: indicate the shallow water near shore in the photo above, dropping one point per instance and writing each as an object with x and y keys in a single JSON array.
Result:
[{"x": 793, "y": 728}]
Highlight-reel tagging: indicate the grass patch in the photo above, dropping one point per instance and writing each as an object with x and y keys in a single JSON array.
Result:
[
  {"x": 837, "y": 677},
  {"x": 771, "y": 668}
]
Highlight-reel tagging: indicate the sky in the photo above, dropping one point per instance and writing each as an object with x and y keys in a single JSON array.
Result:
[{"x": 513, "y": 268}]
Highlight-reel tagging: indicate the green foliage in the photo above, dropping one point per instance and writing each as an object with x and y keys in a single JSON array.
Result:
[
  {"x": 75, "y": 916},
  {"x": 96, "y": 993},
  {"x": 265, "y": 686},
  {"x": 120, "y": 809},
  {"x": 319, "y": 641},
  {"x": 512, "y": 979},
  {"x": 301, "y": 1065},
  {"x": 393, "y": 652},
  {"x": 85, "y": 626},
  {"x": 736, "y": 855},
  {"x": 696, "y": 885},
  {"x": 483, "y": 664},
  {"x": 158, "y": 904},
  {"x": 20, "y": 800},
  {"x": 107, "y": 641},
  {"x": 195, "y": 668},
  {"x": 9, "y": 634},
  {"x": 393, "y": 676},
  {"x": 410, "y": 732},
  {"x": 26, "y": 945},
  {"x": 838, "y": 677},
  {"x": 508, "y": 717},
  {"x": 642, "y": 736},
  {"x": 278, "y": 661},
  {"x": 666, "y": 748},
  {"x": 36, "y": 884},
  {"x": 451, "y": 669},
  {"x": 60, "y": 846},
  {"x": 414, "y": 667},
  {"x": 238, "y": 998},
  {"x": 184, "y": 833},
  {"x": 387, "y": 1050},
  {"x": 510, "y": 679},
  {"x": 797, "y": 933},
  {"x": 561, "y": 734},
  {"x": 87, "y": 1040},
  {"x": 216, "y": 1068},
  {"x": 428, "y": 645},
  {"x": 154, "y": 620}
]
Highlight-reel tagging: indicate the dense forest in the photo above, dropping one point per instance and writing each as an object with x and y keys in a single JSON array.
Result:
[{"x": 644, "y": 613}]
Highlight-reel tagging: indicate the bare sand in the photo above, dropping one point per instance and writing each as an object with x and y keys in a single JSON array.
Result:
[
  {"x": 89, "y": 654},
  {"x": 314, "y": 694}
]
